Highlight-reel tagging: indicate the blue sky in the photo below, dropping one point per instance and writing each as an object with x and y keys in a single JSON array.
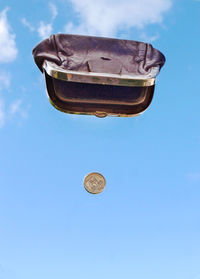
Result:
[{"x": 146, "y": 224}]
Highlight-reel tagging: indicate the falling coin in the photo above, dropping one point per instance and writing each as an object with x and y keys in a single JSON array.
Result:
[{"x": 94, "y": 183}]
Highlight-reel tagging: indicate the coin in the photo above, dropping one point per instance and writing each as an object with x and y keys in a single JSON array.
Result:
[{"x": 94, "y": 183}]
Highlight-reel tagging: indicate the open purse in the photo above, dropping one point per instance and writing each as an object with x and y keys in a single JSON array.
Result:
[{"x": 98, "y": 76}]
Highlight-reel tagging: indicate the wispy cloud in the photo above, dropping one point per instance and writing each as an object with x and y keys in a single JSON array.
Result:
[
  {"x": 44, "y": 30},
  {"x": 4, "y": 80},
  {"x": 26, "y": 23},
  {"x": 149, "y": 38},
  {"x": 7, "y": 39},
  {"x": 53, "y": 10},
  {"x": 70, "y": 28},
  {"x": 107, "y": 17},
  {"x": 16, "y": 108},
  {"x": 8, "y": 54}
]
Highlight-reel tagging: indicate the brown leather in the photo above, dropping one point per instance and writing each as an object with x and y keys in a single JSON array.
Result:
[
  {"x": 99, "y": 55},
  {"x": 95, "y": 54}
]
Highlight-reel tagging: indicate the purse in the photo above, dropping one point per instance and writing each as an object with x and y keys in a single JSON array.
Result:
[{"x": 98, "y": 76}]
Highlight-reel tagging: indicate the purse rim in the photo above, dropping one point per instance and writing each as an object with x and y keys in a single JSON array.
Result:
[{"x": 56, "y": 72}]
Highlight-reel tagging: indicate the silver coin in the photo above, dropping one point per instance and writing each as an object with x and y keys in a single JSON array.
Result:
[{"x": 94, "y": 183}]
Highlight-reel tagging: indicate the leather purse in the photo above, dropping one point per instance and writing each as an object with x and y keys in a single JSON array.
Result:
[{"x": 98, "y": 76}]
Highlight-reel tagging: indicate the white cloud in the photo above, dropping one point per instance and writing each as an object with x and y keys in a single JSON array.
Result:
[
  {"x": 26, "y": 23},
  {"x": 16, "y": 108},
  {"x": 7, "y": 39},
  {"x": 148, "y": 38},
  {"x": 53, "y": 10},
  {"x": 72, "y": 29},
  {"x": 4, "y": 80},
  {"x": 106, "y": 17},
  {"x": 44, "y": 30}
]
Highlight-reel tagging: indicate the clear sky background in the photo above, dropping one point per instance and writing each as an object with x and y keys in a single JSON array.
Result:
[{"x": 146, "y": 224}]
